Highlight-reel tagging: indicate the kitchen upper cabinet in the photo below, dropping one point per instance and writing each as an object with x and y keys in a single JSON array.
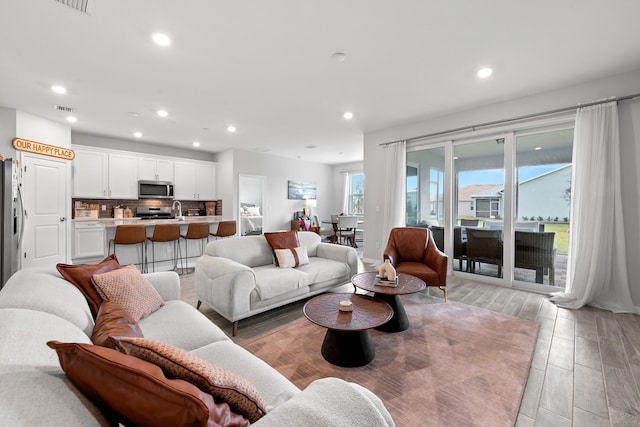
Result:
[
  {"x": 206, "y": 181},
  {"x": 155, "y": 169},
  {"x": 99, "y": 175},
  {"x": 123, "y": 176},
  {"x": 90, "y": 174},
  {"x": 195, "y": 181}
]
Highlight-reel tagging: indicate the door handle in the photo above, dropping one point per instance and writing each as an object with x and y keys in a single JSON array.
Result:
[{"x": 62, "y": 219}]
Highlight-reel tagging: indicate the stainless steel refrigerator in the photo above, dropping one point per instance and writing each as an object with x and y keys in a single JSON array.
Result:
[{"x": 11, "y": 226}]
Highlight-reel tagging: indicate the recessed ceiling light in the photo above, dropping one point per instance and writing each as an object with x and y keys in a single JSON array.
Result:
[
  {"x": 231, "y": 129},
  {"x": 485, "y": 72},
  {"x": 196, "y": 144},
  {"x": 59, "y": 89},
  {"x": 339, "y": 56},
  {"x": 137, "y": 134},
  {"x": 161, "y": 39},
  {"x": 538, "y": 148},
  {"x": 162, "y": 113},
  {"x": 72, "y": 119},
  {"x": 455, "y": 157},
  {"x": 348, "y": 115}
]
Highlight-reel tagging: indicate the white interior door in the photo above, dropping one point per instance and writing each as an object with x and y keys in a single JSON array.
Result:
[{"x": 44, "y": 183}]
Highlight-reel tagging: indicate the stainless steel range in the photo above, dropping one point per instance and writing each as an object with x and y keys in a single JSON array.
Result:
[{"x": 151, "y": 212}]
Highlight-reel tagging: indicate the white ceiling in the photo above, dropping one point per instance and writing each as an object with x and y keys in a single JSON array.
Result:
[{"x": 267, "y": 68}]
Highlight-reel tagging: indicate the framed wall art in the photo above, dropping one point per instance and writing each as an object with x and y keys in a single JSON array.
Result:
[{"x": 299, "y": 190}]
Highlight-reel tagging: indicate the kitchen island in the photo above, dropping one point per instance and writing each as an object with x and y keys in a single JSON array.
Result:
[{"x": 91, "y": 240}]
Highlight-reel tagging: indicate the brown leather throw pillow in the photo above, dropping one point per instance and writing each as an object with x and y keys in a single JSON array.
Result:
[
  {"x": 113, "y": 321},
  {"x": 80, "y": 276}
]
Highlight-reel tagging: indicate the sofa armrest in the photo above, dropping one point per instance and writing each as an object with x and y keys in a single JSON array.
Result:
[
  {"x": 345, "y": 254},
  {"x": 167, "y": 283},
  {"x": 225, "y": 285},
  {"x": 330, "y": 402}
]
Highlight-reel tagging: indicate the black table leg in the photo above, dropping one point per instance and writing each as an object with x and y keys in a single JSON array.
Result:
[
  {"x": 348, "y": 348},
  {"x": 399, "y": 321}
]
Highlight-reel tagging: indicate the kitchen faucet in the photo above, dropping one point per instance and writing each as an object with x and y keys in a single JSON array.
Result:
[{"x": 179, "y": 208}]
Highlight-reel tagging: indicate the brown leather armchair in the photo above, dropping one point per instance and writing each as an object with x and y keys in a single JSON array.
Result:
[{"x": 413, "y": 251}]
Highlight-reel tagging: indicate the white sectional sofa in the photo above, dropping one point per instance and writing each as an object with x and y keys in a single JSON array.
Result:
[
  {"x": 238, "y": 278},
  {"x": 37, "y": 306}
]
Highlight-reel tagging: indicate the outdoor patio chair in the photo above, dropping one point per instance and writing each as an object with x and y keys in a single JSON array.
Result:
[
  {"x": 459, "y": 246},
  {"x": 484, "y": 246},
  {"x": 469, "y": 222},
  {"x": 535, "y": 251}
]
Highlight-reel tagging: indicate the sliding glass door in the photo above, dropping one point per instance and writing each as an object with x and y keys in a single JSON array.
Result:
[
  {"x": 479, "y": 194},
  {"x": 508, "y": 199},
  {"x": 541, "y": 215}
]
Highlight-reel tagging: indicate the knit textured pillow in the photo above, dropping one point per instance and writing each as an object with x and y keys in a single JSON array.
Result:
[
  {"x": 288, "y": 258},
  {"x": 130, "y": 290},
  {"x": 238, "y": 392}
]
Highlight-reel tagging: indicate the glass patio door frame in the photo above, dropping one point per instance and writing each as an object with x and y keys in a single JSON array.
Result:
[{"x": 508, "y": 131}]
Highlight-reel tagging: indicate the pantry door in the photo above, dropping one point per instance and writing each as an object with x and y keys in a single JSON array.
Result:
[{"x": 45, "y": 193}]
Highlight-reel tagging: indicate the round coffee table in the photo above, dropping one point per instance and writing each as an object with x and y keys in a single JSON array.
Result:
[
  {"x": 347, "y": 341},
  {"x": 407, "y": 284}
]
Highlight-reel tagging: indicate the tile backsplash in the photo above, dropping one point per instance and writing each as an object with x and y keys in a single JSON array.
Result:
[{"x": 109, "y": 204}]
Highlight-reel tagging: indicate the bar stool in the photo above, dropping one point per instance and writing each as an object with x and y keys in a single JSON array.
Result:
[
  {"x": 132, "y": 234},
  {"x": 225, "y": 229},
  {"x": 166, "y": 233},
  {"x": 196, "y": 231}
]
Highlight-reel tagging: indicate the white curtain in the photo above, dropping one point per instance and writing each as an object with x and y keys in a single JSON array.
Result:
[
  {"x": 597, "y": 267},
  {"x": 394, "y": 214},
  {"x": 345, "y": 194}
]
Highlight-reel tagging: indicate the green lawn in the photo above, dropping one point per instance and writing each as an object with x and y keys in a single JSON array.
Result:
[{"x": 561, "y": 239}]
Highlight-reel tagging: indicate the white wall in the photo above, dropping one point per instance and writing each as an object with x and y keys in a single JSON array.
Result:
[
  {"x": 7, "y": 132},
  {"x": 38, "y": 129},
  {"x": 620, "y": 85},
  {"x": 139, "y": 147},
  {"x": 278, "y": 170}
]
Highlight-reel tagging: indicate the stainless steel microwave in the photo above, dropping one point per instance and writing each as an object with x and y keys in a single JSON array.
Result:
[{"x": 155, "y": 190}]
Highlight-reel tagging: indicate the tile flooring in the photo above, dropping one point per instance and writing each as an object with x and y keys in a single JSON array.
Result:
[{"x": 586, "y": 366}]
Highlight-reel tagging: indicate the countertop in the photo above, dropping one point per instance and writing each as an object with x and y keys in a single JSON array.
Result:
[{"x": 111, "y": 222}]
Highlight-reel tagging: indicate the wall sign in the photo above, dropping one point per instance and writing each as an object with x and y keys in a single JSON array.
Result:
[{"x": 45, "y": 149}]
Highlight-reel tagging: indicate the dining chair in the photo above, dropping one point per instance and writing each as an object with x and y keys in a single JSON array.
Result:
[{"x": 347, "y": 229}]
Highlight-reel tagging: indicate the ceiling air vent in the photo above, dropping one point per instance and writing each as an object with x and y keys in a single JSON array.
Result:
[
  {"x": 63, "y": 109},
  {"x": 80, "y": 5}
]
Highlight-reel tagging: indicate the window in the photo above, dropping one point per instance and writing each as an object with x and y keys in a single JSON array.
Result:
[{"x": 356, "y": 194}]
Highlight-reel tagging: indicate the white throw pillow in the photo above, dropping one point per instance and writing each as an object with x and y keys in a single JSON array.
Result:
[
  {"x": 253, "y": 210},
  {"x": 288, "y": 258}
]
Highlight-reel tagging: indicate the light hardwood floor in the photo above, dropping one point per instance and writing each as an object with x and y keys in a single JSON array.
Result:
[{"x": 586, "y": 366}]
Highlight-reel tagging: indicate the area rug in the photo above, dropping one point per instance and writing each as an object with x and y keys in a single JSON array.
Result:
[{"x": 456, "y": 365}]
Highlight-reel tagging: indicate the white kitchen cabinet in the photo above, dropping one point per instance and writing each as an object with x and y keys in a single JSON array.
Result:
[
  {"x": 195, "y": 181},
  {"x": 151, "y": 169},
  {"x": 123, "y": 176},
  {"x": 99, "y": 174},
  {"x": 88, "y": 240},
  {"x": 206, "y": 181},
  {"x": 90, "y": 174}
]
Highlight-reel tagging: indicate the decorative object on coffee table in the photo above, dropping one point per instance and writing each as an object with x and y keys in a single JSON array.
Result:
[
  {"x": 347, "y": 342},
  {"x": 407, "y": 284}
]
